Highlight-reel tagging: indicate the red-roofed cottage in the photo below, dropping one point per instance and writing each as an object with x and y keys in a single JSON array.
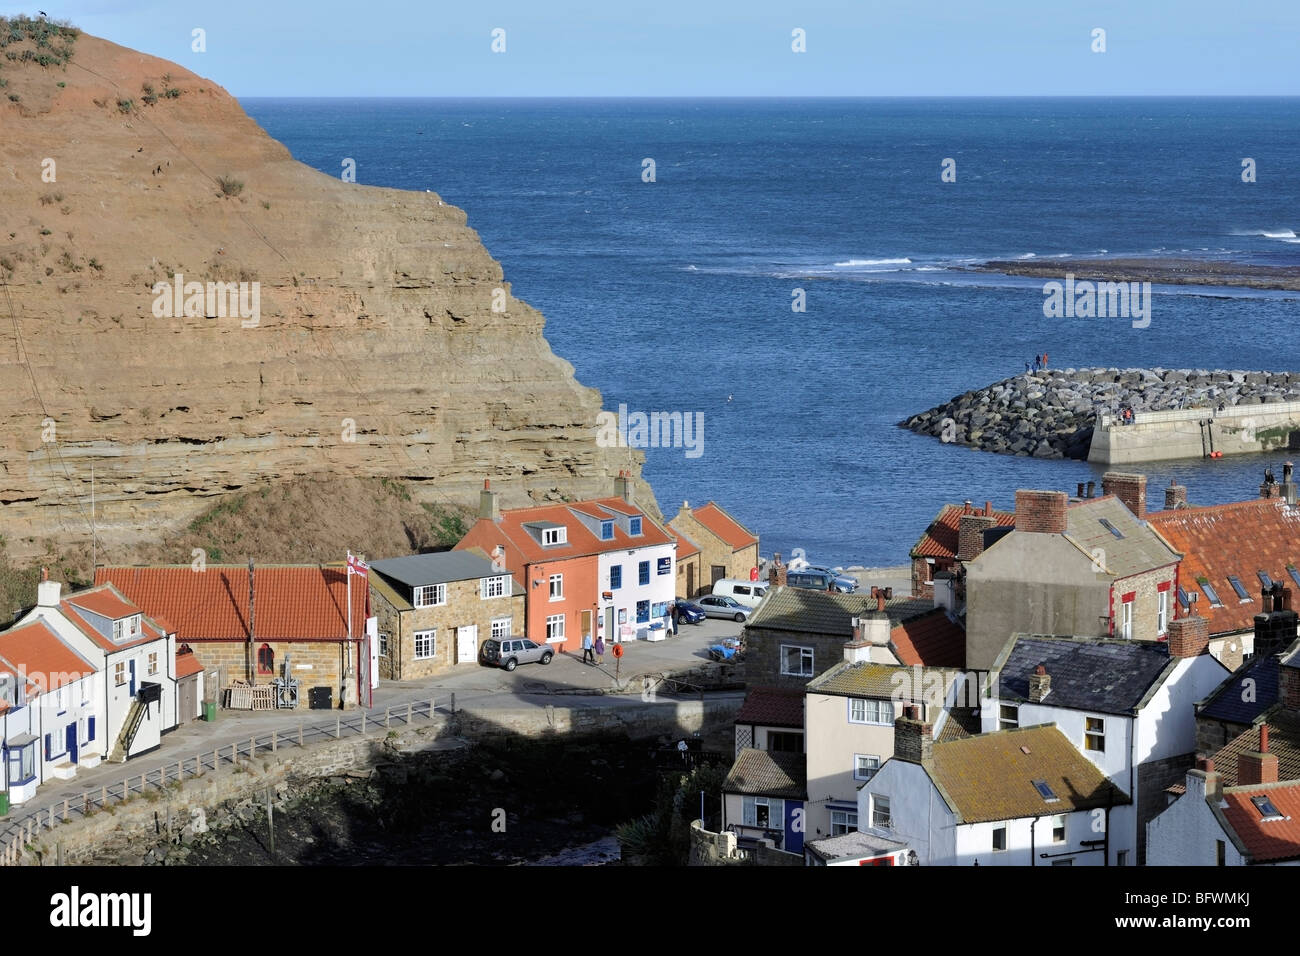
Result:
[
  {"x": 727, "y": 548},
  {"x": 599, "y": 567},
  {"x": 280, "y": 625},
  {"x": 81, "y": 677}
]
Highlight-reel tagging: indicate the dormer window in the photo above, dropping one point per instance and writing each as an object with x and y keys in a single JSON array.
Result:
[
  {"x": 607, "y": 531},
  {"x": 634, "y": 526},
  {"x": 552, "y": 536},
  {"x": 126, "y": 628}
]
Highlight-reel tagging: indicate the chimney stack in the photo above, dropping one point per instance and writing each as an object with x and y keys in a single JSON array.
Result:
[
  {"x": 47, "y": 592},
  {"x": 1258, "y": 766},
  {"x": 1079, "y": 494},
  {"x": 857, "y": 650},
  {"x": 1288, "y": 484},
  {"x": 1288, "y": 686},
  {"x": 1175, "y": 496},
  {"x": 1189, "y": 636},
  {"x": 1092, "y": 485},
  {"x": 1041, "y": 512},
  {"x": 1203, "y": 782},
  {"x": 1128, "y": 488},
  {"x": 970, "y": 535},
  {"x": 776, "y": 572},
  {"x": 623, "y": 486},
  {"x": 876, "y": 626},
  {"x": 488, "y": 506},
  {"x": 1040, "y": 684},
  {"x": 913, "y": 737},
  {"x": 1275, "y": 630}
]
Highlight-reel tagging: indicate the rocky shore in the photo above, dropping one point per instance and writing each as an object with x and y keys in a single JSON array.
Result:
[
  {"x": 1050, "y": 414},
  {"x": 1165, "y": 271}
]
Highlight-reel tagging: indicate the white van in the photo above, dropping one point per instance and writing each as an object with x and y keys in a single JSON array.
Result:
[{"x": 748, "y": 593}]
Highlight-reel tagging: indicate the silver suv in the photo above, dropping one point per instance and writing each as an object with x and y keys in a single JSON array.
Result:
[{"x": 513, "y": 651}]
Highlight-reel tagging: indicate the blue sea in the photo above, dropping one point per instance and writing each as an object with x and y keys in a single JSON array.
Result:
[{"x": 677, "y": 294}]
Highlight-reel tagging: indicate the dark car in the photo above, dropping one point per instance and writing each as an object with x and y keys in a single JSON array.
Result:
[
  {"x": 719, "y": 605},
  {"x": 512, "y": 651},
  {"x": 688, "y": 613},
  {"x": 818, "y": 579}
]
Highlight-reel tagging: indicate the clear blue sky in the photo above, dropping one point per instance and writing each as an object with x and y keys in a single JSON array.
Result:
[{"x": 714, "y": 47}]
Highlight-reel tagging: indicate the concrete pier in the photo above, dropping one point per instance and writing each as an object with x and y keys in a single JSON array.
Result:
[{"x": 1195, "y": 433}]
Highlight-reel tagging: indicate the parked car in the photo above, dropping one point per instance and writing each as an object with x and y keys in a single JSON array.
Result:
[
  {"x": 819, "y": 579},
  {"x": 748, "y": 593},
  {"x": 719, "y": 605},
  {"x": 688, "y": 613},
  {"x": 514, "y": 651}
]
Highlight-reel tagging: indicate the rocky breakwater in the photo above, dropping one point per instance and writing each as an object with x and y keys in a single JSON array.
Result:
[{"x": 1051, "y": 414}]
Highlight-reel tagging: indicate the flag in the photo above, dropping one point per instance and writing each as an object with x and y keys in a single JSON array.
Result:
[{"x": 356, "y": 565}]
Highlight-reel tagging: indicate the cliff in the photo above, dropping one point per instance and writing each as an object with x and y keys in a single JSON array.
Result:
[{"x": 365, "y": 333}]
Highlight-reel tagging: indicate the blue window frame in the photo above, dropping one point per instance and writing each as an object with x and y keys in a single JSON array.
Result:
[
  {"x": 642, "y": 612},
  {"x": 607, "y": 531},
  {"x": 634, "y": 524},
  {"x": 616, "y": 577},
  {"x": 644, "y": 572},
  {"x": 1239, "y": 588},
  {"x": 22, "y": 763},
  {"x": 1212, "y": 594},
  {"x": 665, "y": 566},
  {"x": 1295, "y": 575},
  {"x": 1182, "y": 598}
]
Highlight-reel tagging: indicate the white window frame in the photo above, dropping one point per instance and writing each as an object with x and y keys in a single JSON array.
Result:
[
  {"x": 847, "y": 822},
  {"x": 383, "y": 643},
  {"x": 119, "y": 674},
  {"x": 554, "y": 632},
  {"x": 1126, "y": 619},
  {"x": 872, "y": 711},
  {"x": 876, "y": 821},
  {"x": 493, "y": 587},
  {"x": 497, "y": 622},
  {"x": 1005, "y": 722},
  {"x": 556, "y": 586},
  {"x": 804, "y": 653},
  {"x": 857, "y": 766},
  {"x": 1162, "y": 611},
  {"x": 1061, "y": 822},
  {"x": 432, "y": 635},
  {"x": 437, "y": 597},
  {"x": 152, "y": 665},
  {"x": 555, "y": 536},
  {"x": 1088, "y": 735},
  {"x": 775, "y": 811}
]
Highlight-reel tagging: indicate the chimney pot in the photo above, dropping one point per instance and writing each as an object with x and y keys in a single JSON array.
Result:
[
  {"x": 1128, "y": 488},
  {"x": 1040, "y": 684},
  {"x": 1091, "y": 486},
  {"x": 1263, "y": 738},
  {"x": 913, "y": 737},
  {"x": 1079, "y": 493}
]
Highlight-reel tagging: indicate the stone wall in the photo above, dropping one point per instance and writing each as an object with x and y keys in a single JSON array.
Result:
[
  {"x": 464, "y": 608},
  {"x": 313, "y": 663}
]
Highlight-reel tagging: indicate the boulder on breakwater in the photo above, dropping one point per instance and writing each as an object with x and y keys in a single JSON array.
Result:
[{"x": 1051, "y": 413}]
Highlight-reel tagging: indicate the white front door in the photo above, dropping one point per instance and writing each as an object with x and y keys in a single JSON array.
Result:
[{"x": 467, "y": 644}]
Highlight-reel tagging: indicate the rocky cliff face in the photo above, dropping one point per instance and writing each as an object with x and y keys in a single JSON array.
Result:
[{"x": 380, "y": 338}]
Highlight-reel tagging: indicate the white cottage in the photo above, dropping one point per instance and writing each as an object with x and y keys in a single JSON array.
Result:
[{"x": 1023, "y": 797}]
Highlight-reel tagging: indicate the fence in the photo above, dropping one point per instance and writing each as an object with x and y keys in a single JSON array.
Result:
[{"x": 18, "y": 832}]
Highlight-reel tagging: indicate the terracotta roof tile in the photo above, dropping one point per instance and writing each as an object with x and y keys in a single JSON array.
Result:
[
  {"x": 579, "y": 541},
  {"x": 1237, "y": 539},
  {"x": 187, "y": 665},
  {"x": 1266, "y": 840},
  {"x": 293, "y": 602},
  {"x": 991, "y": 776},
  {"x": 931, "y": 640},
  {"x": 772, "y": 706},
  {"x": 713, "y": 517},
  {"x": 940, "y": 538},
  {"x": 39, "y": 653}
]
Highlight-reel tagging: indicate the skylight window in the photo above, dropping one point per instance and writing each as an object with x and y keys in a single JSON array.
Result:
[
  {"x": 1239, "y": 587},
  {"x": 1110, "y": 527},
  {"x": 1264, "y": 579},
  {"x": 1266, "y": 808},
  {"x": 1045, "y": 791},
  {"x": 1182, "y": 599},
  {"x": 1295, "y": 575},
  {"x": 1212, "y": 594}
]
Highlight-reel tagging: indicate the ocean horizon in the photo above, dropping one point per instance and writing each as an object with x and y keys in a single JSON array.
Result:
[{"x": 676, "y": 294}]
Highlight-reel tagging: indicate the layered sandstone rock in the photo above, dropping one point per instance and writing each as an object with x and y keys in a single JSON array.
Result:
[{"x": 377, "y": 351}]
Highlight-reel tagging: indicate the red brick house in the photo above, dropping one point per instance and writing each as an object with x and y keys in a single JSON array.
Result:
[{"x": 955, "y": 535}]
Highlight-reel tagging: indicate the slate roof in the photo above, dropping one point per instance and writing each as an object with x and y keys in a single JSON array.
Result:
[
  {"x": 293, "y": 602},
  {"x": 940, "y": 539},
  {"x": 773, "y": 707},
  {"x": 1093, "y": 674},
  {"x": 1140, "y": 549},
  {"x": 768, "y": 773},
  {"x": 416, "y": 570},
  {"x": 880, "y": 681},
  {"x": 820, "y": 612},
  {"x": 1237, "y": 539},
  {"x": 1283, "y": 742},
  {"x": 991, "y": 776},
  {"x": 852, "y": 846},
  {"x": 1267, "y": 841},
  {"x": 1236, "y": 701},
  {"x": 717, "y": 520},
  {"x": 930, "y": 640}
]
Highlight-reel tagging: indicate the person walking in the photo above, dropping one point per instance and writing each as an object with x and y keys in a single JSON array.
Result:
[
  {"x": 586, "y": 650},
  {"x": 674, "y": 612},
  {"x": 600, "y": 650}
]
